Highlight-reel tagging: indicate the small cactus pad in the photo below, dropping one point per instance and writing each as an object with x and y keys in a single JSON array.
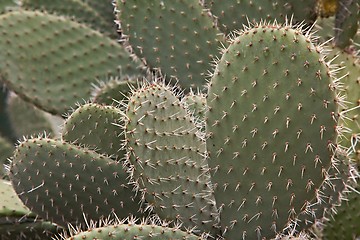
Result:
[
  {"x": 52, "y": 61},
  {"x": 10, "y": 204},
  {"x": 233, "y": 14},
  {"x": 346, "y": 22},
  {"x": 27, "y": 119},
  {"x": 96, "y": 127},
  {"x": 66, "y": 184},
  {"x": 6, "y": 151},
  {"x": 130, "y": 231},
  {"x": 113, "y": 91},
  {"x": 346, "y": 223},
  {"x": 167, "y": 155},
  {"x": 177, "y": 36},
  {"x": 270, "y": 128},
  {"x": 76, "y": 9}
]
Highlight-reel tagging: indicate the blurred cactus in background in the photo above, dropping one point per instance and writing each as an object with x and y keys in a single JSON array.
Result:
[{"x": 182, "y": 119}]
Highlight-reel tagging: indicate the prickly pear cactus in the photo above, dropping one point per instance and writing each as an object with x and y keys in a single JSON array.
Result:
[
  {"x": 176, "y": 37},
  {"x": 65, "y": 184},
  {"x": 167, "y": 157},
  {"x": 131, "y": 230},
  {"x": 265, "y": 154},
  {"x": 88, "y": 125},
  {"x": 62, "y": 57},
  {"x": 270, "y": 128},
  {"x": 113, "y": 91}
]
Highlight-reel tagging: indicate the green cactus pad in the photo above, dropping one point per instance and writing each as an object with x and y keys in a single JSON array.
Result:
[
  {"x": 331, "y": 194},
  {"x": 346, "y": 223},
  {"x": 65, "y": 184},
  {"x": 76, "y": 9},
  {"x": 96, "y": 127},
  {"x": 168, "y": 157},
  {"x": 27, "y": 119},
  {"x": 10, "y": 204},
  {"x": 270, "y": 128},
  {"x": 6, "y": 151},
  {"x": 35, "y": 230},
  {"x": 105, "y": 9},
  {"x": 113, "y": 91},
  {"x": 52, "y": 61},
  {"x": 349, "y": 77},
  {"x": 134, "y": 231},
  {"x": 346, "y": 22},
  {"x": 178, "y": 37},
  {"x": 233, "y": 14},
  {"x": 196, "y": 104}
]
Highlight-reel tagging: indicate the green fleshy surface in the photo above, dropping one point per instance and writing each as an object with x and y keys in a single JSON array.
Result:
[
  {"x": 134, "y": 231},
  {"x": 29, "y": 230},
  {"x": 6, "y": 151},
  {"x": 52, "y": 61},
  {"x": 10, "y": 204},
  {"x": 114, "y": 91},
  {"x": 65, "y": 184},
  {"x": 168, "y": 161},
  {"x": 269, "y": 126},
  {"x": 27, "y": 119},
  {"x": 79, "y": 10},
  {"x": 346, "y": 22},
  {"x": 176, "y": 37},
  {"x": 96, "y": 127},
  {"x": 345, "y": 224}
]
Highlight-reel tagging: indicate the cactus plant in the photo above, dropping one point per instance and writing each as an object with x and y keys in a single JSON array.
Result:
[{"x": 261, "y": 152}]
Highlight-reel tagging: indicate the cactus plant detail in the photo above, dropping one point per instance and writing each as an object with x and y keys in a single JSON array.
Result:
[
  {"x": 78, "y": 184},
  {"x": 194, "y": 37},
  {"x": 166, "y": 153},
  {"x": 68, "y": 73},
  {"x": 265, "y": 149},
  {"x": 270, "y": 120},
  {"x": 88, "y": 125}
]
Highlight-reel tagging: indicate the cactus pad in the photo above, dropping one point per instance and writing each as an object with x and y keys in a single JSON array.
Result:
[
  {"x": 270, "y": 128},
  {"x": 167, "y": 157},
  {"x": 52, "y": 61},
  {"x": 113, "y": 91},
  {"x": 10, "y": 204},
  {"x": 66, "y": 184},
  {"x": 129, "y": 231},
  {"x": 76, "y": 9},
  {"x": 346, "y": 22},
  {"x": 96, "y": 127},
  {"x": 346, "y": 223}
]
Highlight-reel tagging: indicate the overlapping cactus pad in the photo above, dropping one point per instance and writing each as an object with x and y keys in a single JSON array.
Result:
[
  {"x": 270, "y": 128},
  {"x": 66, "y": 184}
]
